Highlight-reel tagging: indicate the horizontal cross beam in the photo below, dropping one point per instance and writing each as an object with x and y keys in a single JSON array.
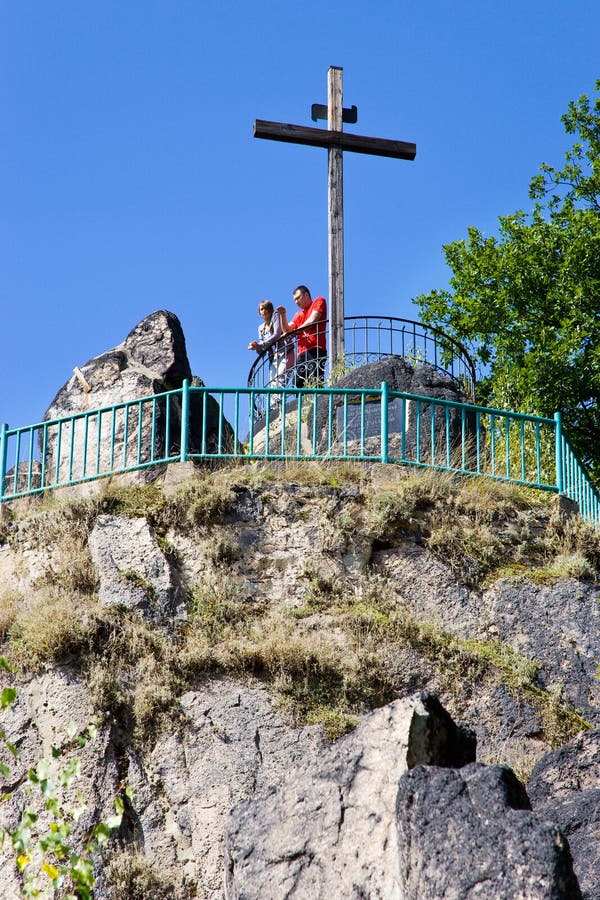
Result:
[{"x": 319, "y": 137}]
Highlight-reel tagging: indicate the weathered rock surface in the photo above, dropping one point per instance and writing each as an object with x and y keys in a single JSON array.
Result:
[
  {"x": 470, "y": 833},
  {"x": 329, "y": 830},
  {"x": 566, "y": 636},
  {"x": 151, "y": 360},
  {"x": 132, "y": 570},
  {"x": 565, "y": 788},
  {"x": 235, "y": 743}
]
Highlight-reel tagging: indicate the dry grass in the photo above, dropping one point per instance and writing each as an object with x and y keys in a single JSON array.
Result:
[
  {"x": 130, "y": 876},
  {"x": 132, "y": 672},
  {"x": 198, "y": 503},
  {"x": 573, "y": 537},
  {"x": 493, "y": 500},
  {"x": 343, "y": 651},
  {"x": 7, "y": 524},
  {"x": 470, "y": 550},
  {"x": 309, "y": 473},
  {"x": 520, "y": 755},
  {"x": 51, "y": 625},
  {"x": 348, "y": 653},
  {"x": 222, "y": 549},
  {"x": 10, "y": 602},
  {"x": 480, "y": 527},
  {"x": 70, "y": 568}
]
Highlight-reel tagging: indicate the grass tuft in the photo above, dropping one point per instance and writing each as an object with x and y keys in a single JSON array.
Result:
[
  {"x": 50, "y": 627},
  {"x": 130, "y": 876},
  {"x": 10, "y": 602}
]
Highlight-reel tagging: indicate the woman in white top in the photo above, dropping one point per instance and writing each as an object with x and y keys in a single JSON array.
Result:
[{"x": 271, "y": 340}]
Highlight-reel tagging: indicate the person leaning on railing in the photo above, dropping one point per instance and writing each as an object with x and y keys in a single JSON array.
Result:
[
  {"x": 311, "y": 341},
  {"x": 271, "y": 341}
]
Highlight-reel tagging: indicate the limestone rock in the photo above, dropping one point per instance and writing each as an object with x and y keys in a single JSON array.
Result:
[
  {"x": 565, "y": 789},
  {"x": 131, "y": 568},
  {"x": 234, "y": 744},
  {"x": 470, "y": 833},
  {"x": 329, "y": 830}
]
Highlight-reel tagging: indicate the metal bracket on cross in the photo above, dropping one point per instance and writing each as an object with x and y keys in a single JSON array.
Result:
[{"x": 319, "y": 111}]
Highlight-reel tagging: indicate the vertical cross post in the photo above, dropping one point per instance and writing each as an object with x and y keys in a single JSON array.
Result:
[
  {"x": 336, "y": 141},
  {"x": 335, "y": 193}
]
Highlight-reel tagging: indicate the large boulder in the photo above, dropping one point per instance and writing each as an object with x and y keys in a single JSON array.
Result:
[
  {"x": 152, "y": 360},
  {"x": 330, "y": 829},
  {"x": 406, "y": 439},
  {"x": 471, "y": 833},
  {"x": 402, "y": 375},
  {"x": 565, "y": 789}
]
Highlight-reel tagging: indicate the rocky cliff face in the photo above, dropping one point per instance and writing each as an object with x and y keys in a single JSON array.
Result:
[{"x": 318, "y": 681}]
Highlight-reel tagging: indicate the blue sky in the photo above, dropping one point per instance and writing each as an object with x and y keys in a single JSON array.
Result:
[{"x": 130, "y": 180}]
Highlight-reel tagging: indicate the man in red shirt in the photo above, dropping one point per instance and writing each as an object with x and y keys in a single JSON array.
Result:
[{"x": 311, "y": 344}]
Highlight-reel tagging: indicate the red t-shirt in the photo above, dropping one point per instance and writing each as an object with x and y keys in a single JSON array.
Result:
[{"x": 314, "y": 336}]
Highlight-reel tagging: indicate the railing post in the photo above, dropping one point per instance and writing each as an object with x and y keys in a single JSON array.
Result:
[
  {"x": 185, "y": 418},
  {"x": 3, "y": 449},
  {"x": 384, "y": 421},
  {"x": 558, "y": 447}
]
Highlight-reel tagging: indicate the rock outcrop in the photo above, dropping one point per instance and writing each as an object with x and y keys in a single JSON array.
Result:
[
  {"x": 132, "y": 570},
  {"x": 470, "y": 833},
  {"x": 287, "y": 592},
  {"x": 329, "y": 829},
  {"x": 152, "y": 360},
  {"x": 565, "y": 789},
  {"x": 234, "y": 745}
]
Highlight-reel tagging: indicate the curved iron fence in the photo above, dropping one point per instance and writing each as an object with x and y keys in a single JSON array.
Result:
[{"x": 370, "y": 338}]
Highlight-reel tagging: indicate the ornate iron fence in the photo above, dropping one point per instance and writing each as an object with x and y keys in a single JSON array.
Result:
[{"x": 370, "y": 338}]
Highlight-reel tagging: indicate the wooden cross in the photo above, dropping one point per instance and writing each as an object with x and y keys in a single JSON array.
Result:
[{"x": 336, "y": 142}]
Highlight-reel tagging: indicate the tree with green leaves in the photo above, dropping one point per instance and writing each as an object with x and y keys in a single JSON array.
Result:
[{"x": 527, "y": 301}]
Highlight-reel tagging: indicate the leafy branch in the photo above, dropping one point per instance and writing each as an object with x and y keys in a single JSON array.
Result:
[{"x": 45, "y": 851}]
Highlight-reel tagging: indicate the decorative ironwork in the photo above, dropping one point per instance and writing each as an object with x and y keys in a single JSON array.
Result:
[{"x": 370, "y": 338}]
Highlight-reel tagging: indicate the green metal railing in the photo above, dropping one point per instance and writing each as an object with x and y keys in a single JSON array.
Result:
[{"x": 377, "y": 425}]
